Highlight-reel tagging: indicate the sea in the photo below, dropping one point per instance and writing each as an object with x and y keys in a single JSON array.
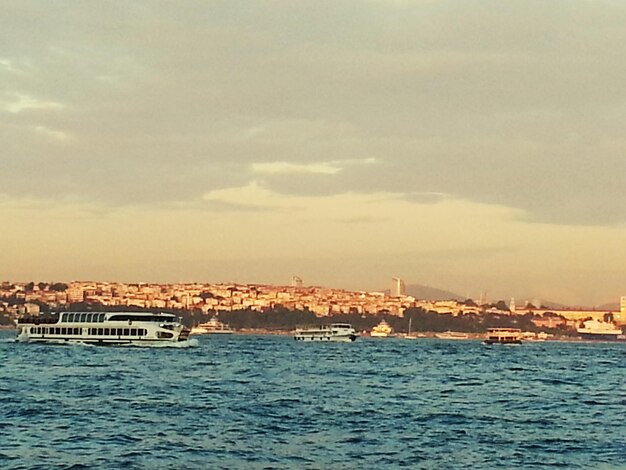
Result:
[{"x": 269, "y": 402}]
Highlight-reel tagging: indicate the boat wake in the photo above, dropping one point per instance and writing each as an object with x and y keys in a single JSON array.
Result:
[{"x": 190, "y": 343}]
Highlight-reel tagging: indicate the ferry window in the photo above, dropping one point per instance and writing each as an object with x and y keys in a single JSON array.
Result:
[
  {"x": 100, "y": 332},
  {"x": 101, "y": 318},
  {"x": 126, "y": 331},
  {"x": 142, "y": 332},
  {"x": 63, "y": 331},
  {"x": 106, "y": 332},
  {"x": 133, "y": 331}
]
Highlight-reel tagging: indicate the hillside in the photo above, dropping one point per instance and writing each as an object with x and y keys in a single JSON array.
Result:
[{"x": 431, "y": 293}]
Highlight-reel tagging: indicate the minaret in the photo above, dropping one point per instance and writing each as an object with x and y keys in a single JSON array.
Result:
[{"x": 512, "y": 305}]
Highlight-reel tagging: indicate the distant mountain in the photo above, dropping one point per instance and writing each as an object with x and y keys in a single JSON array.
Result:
[
  {"x": 431, "y": 293},
  {"x": 613, "y": 306}
]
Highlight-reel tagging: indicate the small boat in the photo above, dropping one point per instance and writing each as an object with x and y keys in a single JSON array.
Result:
[
  {"x": 597, "y": 330},
  {"x": 409, "y": 335},
  {"x": 382, "y": 330},
  {"x": 338, "y": 332},
  {"x": 99, "y": 328},
  {"x": 451, "y": 335},
  {"x": 212, "y": 327},
  {"x": 504, "y": 336}
]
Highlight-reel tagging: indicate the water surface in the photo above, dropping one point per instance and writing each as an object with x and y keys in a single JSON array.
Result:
[{"x": 271, "y": 402}]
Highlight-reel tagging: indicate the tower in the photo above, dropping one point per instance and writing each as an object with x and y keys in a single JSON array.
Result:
[{"x": 397, "y": 287}]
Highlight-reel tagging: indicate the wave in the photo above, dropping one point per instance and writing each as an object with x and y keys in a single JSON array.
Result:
[{"x": 190, "y": 343}]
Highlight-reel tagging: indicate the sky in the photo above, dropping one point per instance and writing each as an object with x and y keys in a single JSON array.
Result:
[{"x": 474, "y": 146}]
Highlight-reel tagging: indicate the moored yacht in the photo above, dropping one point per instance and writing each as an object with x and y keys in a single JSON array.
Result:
[
  {"x": 341, "y": 332},
  {"x": 452, "y": 335},
  {"x": 212, "y": 327},
  {"x": 382, "y": 330},
  {"x": 100, "y": 328}
]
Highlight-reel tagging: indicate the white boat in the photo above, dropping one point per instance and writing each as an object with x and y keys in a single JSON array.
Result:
[
  {"x": 341, "y": 332},
  {"x": 600, "y": 331},
  {"x": 212, "y": 327},
  {"x": 409, "y": 335},
  {"x": 503, "y": 336},
  {"x": 382, "y": 330},
  {"x": 110, "y": 328},
  {"x": 451, "y": 335}
]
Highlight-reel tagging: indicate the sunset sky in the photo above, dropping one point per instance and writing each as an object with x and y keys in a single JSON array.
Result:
[{"x": 474, "y": 146}]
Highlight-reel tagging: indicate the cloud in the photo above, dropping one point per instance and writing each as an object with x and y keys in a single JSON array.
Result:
[
  {"x": 9, "y": 66},
  {"x": 421, "y": 113},
  {"x": 274, "y": 168},
  {"x": 323, "y": 168},
  {"x": 22, "y": 102},
  {"x": 53, "y": 134}
]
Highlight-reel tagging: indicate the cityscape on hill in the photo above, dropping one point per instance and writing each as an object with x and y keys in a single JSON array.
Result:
[{"x": 196, "y": 301}]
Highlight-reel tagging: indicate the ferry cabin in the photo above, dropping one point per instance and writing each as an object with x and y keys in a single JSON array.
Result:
[
  {"x": 504, "y": 336},
  {"x": 103, "y": 328},
  {"x": 335, "y": 332}
]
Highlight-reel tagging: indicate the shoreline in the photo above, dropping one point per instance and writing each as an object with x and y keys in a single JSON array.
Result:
[{"x": 424, "y": 335}]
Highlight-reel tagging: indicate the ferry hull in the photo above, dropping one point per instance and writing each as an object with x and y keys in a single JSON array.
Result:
[
  {"x": 508, "y": 341},
  {"x": 335, "y": 339},
  {"x": 602, "y": 337}
]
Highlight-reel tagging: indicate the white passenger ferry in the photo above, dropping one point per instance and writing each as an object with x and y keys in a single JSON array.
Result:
[
  {"x": 110, "y": 328},
  {"x": 504, "y": 336},
  {"x": 335, "y": 332}
]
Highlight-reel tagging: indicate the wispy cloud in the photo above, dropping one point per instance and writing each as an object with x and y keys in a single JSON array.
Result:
[
  {"x": 53, "y": 134},
  {"x": 21, "y": 102},
  {"x": 8, "y": 65},
  {"x": 277, "y": 168},
  {"x": 323, "y": 168}
]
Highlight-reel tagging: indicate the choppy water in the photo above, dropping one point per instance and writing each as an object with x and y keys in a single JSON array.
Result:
[{"x": 271, "y": 402}]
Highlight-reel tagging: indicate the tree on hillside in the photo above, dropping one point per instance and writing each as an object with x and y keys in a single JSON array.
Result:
[{"x": 59, "y": 287}]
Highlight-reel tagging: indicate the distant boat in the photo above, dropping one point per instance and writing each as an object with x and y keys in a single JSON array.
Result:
[
  {"x": 504, "y": 336},
  {"x": 409, "y": 335},
  {"x": 601, "y": 331},
  {"x": 451, "y": 335},
  {"x": 382, "y": 330},
  {"x": 337, "y": 332},
  {"x": 212, "y": 327}
]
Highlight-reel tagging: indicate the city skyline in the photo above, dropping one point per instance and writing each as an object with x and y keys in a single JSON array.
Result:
[{"x": 467, "y": 146}]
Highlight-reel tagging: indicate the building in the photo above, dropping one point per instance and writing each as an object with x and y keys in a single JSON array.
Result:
[{"x": 397, "y": 287}]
